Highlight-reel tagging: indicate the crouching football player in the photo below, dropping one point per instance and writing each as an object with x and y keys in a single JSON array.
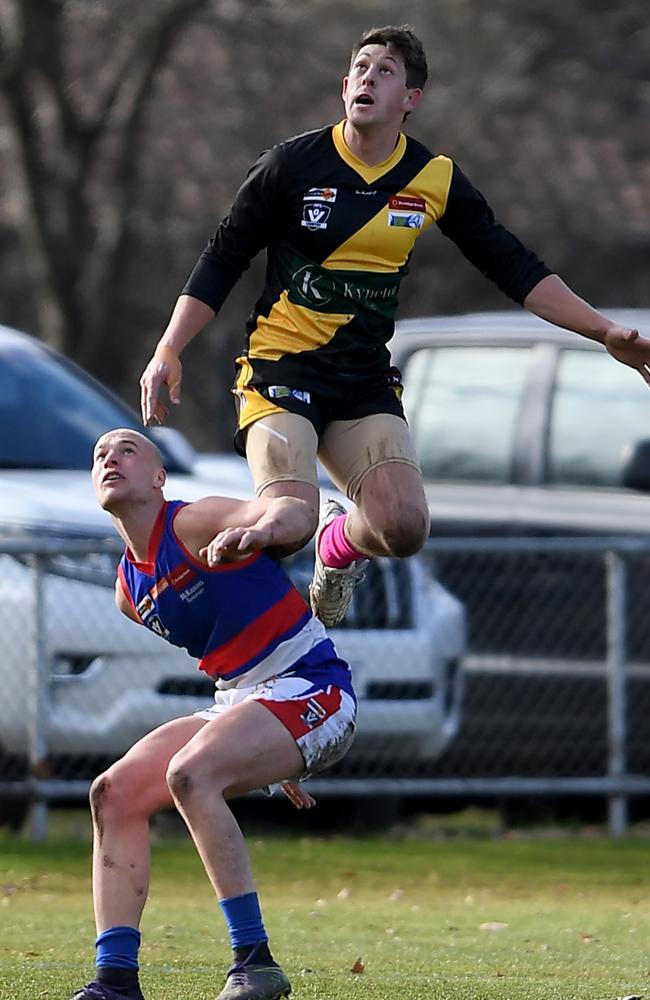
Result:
[{"x": 205, "y": 576}]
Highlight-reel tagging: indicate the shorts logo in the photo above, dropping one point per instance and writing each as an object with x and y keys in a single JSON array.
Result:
[
  {"x": 313, "y": 714},
  {"x": 284, "y": 392}
]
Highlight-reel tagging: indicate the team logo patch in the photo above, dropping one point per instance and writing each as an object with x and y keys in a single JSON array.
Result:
[
  {"x": 313, "y": 714},
  {"x": 316, "y": 208},
  {"x": 326, "y": 194},
  {"x": 154, "y": 622},
  {"x": 315, "y": 216},
  {"x": 285, "y": 392}
]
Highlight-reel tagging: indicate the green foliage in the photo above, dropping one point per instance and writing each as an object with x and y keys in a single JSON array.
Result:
[{"x": 514, "y": 919}]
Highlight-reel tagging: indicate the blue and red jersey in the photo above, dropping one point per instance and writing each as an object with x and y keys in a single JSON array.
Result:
[{"x": 244, "y": 621}]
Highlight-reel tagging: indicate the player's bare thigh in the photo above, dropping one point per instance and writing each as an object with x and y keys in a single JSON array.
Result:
[
  {"x": 242, "y": 749},
  {"x": 143, "y": 769},
  {"x": 350, "y": 449}
]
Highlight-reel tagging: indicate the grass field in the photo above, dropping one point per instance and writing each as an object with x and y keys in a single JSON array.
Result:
[{"x": 437, "y": 917}]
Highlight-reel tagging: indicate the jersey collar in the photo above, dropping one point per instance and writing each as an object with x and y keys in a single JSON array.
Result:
[{"x": 369, "y": 174}]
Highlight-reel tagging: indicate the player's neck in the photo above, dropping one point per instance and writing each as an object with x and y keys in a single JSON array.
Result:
[
  {"x": 370, "y": 145},
  {"x": 134, "y": 524}
]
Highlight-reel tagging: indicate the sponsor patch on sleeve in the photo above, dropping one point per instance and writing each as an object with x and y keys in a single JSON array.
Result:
[
  {"x": 403, "y": 203},
  {"x": 411, "y": 220},
  {"x": 406, "y": 211}
]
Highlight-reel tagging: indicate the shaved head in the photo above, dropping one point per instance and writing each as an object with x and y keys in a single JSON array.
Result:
[{"x": 126, "y": 435}]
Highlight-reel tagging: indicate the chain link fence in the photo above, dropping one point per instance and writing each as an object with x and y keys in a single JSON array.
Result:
[{"x": 486, "y": 667}]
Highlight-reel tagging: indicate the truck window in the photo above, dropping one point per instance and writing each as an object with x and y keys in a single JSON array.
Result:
[
  {"x": 599, "y": 410},
  {"x": 462, "y": 405}
]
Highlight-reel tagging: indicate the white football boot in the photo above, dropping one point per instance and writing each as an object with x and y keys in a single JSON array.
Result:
[{"x": 331, "y": 589}]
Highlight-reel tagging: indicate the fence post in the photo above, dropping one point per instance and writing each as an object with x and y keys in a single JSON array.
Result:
[
  {"x": 616, "y": 688},
  {"x": 37, "y": 697}
]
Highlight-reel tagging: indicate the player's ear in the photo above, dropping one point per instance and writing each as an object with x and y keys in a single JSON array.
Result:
[
  {"x": 412, "y": 100},
  {"x": 160, "y": 478}
]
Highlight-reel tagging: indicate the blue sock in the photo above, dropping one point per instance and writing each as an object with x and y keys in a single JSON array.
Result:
[
  {"x": 244, "y": 919},
  {"x": 118, "y": 947}
]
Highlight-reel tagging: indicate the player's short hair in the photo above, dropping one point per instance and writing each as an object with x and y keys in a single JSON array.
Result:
[{"x": 403, "y": 40}]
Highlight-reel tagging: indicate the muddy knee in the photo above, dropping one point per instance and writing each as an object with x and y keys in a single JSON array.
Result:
[
  {"x": 109, "y": 798},
  {"x": 99, "y": 792},
  {"x": 116, "y": 793}
]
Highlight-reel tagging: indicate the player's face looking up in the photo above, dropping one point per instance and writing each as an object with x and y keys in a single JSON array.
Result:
[
  {"x": 375, "y": 91},
  {"x": 126, "y": 467}
]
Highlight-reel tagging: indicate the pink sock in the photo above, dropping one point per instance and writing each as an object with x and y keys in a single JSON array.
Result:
[{"x": 334, "y": 548}]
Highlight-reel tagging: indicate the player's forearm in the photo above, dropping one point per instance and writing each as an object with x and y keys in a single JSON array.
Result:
[
  {"x": 554, "y": 301},
  {"x": 189, "y": 317}
]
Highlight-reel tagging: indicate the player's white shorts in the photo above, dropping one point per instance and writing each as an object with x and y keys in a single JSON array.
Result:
[{"x": 321, "y": 718}]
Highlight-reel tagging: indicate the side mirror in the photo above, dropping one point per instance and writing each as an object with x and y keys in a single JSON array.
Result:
[{"x": 635, "y": 474}]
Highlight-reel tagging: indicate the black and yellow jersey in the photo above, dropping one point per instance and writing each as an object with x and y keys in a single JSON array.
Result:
[{"x": 339, "y": 236}]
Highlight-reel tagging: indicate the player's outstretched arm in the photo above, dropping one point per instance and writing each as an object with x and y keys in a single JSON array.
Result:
[
  {"x": 554, "y": 301},
  {"x": 190, "y": 315},
  {"x": 261, "y": 524}
]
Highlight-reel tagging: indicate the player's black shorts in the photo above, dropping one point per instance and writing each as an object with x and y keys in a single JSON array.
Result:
[{"x": 341, "y": 398}]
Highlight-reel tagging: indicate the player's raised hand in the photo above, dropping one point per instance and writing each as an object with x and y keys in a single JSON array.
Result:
[
  {"x": 630, "y": 348},
  {"x": 164, "y": 369},
  {"x": 233, "y": 543},
  {"x": 297, "y": 795}
]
